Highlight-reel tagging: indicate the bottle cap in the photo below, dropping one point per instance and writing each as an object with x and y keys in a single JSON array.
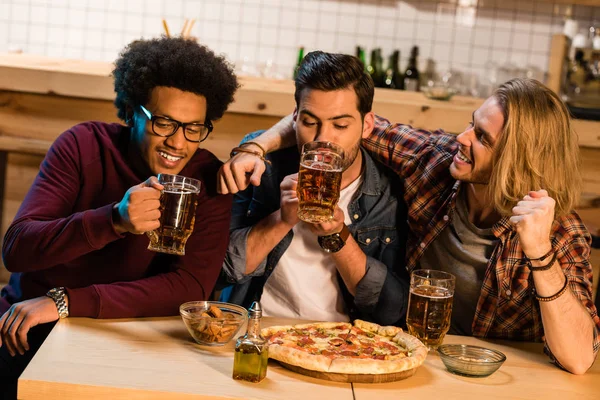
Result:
[{"x": 255, "y": 310}]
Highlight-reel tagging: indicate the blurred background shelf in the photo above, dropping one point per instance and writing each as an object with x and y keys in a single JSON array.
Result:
[{"x": 41, "y": 97}]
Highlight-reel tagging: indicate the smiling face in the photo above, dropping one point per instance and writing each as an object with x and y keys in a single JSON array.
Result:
[
  {"x": 474, "y": 161},
  {"x": 333, "y": 117},
  {"x": 167, "y": 154}
]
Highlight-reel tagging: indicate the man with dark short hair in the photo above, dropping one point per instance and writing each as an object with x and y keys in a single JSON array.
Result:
[
  {"x": 77, "y": 245},
  {"x": 494, "y": 207},
  {"x": 349, "y": 267}
]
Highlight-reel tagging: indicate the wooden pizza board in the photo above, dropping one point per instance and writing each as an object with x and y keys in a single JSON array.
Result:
[{"x": 357, "y": 378}]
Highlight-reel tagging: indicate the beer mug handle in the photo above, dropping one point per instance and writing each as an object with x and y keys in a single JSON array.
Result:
[{"x": 152, "y": 235}]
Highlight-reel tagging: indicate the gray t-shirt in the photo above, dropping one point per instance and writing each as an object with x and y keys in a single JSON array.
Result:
[{"x": 463, "y": 250}]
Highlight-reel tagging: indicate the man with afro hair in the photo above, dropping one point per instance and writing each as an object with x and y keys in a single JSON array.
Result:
[{"x": 80, "y": 230}]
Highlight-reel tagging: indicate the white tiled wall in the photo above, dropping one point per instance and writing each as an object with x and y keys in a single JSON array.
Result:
[{"x": 263, "y": 36}]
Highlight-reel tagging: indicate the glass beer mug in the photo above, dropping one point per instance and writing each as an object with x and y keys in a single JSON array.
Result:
[
  {"x": 430, "y": 306},
  {"x": 178, "y": 201},
  {"x": 319, "y": 181}
]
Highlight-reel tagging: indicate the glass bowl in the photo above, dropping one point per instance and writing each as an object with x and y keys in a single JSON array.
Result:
[
  {"x": 208, "y": 330},
  {"x": 469, "y": 360},
  {"x": 438, "y": 92}
]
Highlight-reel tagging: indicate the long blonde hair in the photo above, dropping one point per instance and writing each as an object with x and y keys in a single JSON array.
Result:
[{"x": 537, "y": 149}]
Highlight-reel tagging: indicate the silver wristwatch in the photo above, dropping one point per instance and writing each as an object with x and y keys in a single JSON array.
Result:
[{"x": 58, "y": 295}]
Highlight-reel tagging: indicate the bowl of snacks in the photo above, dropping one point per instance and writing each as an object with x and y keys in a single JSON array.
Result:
[
  {"x": 470, "y": 360},
  {"x": 212, "y": 323}
]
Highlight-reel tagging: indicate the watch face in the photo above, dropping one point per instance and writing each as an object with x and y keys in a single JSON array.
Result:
[{"x": 331, "y": 243}]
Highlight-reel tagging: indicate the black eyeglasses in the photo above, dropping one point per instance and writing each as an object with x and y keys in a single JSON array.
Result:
[{"x": 165, "y": 127}]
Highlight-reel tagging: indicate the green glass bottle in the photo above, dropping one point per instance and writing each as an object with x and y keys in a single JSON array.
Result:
[
  {"x": 360, "y": 54},
  {"x": 376, "y": 68},
  {"x": 251, "y": 350},
  {"x": 300, "y": 57},
  {"x": 393, "y": 76}
]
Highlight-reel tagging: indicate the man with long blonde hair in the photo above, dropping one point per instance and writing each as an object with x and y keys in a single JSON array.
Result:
[{"x": 493, "y": 206}]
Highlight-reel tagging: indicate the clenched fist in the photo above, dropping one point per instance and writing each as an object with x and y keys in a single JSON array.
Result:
[
  {"x": 330, "y": 227},
  {"x": 533, "y": 217},
  {"x": 139, "y": 210},
  {"x": 289, "y": 200}
]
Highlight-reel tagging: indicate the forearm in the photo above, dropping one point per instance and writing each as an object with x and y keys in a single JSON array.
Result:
[
  {"x": 159, "y": 295},
  {"x": 279, "y": 136},
  {"x": 568, "y": 326},
  {"x": 164, "y": 283},
  {"x": 32, "y": 244},
  {"x": 263, "y": 237},
  {"x": 351, "y": 264}
]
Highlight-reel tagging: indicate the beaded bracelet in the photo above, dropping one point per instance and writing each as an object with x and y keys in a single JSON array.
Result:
[
  {"x": 555, "y": 296},
  {"x": 237, "y": 150},
  {"x": 541, "y": 267}
]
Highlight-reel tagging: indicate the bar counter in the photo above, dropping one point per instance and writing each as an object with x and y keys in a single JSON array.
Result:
[{"x": 41, "y": 97}]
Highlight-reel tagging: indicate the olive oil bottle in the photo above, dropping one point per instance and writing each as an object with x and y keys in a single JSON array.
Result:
[{"x": 251, "y": 350}]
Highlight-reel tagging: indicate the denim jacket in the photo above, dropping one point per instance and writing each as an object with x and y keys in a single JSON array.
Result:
[{"x": 379, "y": 227}]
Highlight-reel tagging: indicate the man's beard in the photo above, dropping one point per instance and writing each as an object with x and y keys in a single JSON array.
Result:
[
  {"x": 350, "y": 156},
  {"x": 476, "y": 177}
]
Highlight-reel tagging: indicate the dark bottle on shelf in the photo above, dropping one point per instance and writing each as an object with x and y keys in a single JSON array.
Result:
[
  {"x": 411, "y": 75},
  {"x": 376, "y": 68},
  {"x": 300, "y": 57},
  {"x": 393, "y": 76}
]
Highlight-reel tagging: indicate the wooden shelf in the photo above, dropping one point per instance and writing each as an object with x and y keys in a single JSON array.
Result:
[
  {"x": 51, "y": 95},
  {"x": 267, "y": 98}
]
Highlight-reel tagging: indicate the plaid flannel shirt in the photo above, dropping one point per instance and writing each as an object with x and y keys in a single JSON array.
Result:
[{"x": 506, "y": 307}]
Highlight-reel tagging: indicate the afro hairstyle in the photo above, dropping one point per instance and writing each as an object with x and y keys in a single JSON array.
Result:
[{"x": 173, "y": 62}]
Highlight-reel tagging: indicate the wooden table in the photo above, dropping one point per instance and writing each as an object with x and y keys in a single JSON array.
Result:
[
  {"x": 526, "y": 374},
  {"x": 156, "y": 359},
  {"x": 152, "y": 359}
]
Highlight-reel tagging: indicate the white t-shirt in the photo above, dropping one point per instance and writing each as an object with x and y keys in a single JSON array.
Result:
[{"x": 304, "y": 283}]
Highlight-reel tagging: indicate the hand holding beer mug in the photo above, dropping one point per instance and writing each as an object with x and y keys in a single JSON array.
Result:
[
  {"x": 319, "y": 181},
  {"x": 178, "y": 201},
  {"x": 430, "y": 306}
]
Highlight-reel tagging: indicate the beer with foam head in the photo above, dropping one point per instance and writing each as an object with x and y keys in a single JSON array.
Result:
[
  {"x": 178, "y": 202},
  {"x": 319, "y": 181}
]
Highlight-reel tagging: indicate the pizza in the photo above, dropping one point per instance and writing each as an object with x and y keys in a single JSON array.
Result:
[{"x": 340, "y": 347}]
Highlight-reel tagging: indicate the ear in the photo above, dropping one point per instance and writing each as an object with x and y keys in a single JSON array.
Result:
[
  {"x": 294, "y": 117},
  {"x": 368, "y": 124}
]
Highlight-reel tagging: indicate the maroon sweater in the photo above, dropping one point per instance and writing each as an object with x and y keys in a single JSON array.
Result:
[{"x": 63, "y": 233}]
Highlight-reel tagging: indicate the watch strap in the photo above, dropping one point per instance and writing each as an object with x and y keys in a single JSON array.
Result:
[
  {"x": 344, "y": 233},
  {"x": 58, "y": 296},
  {"x": 336, "y": 241}
]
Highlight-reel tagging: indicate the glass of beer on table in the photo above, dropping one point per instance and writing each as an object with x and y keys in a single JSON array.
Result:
[
  {"x": 319, "y": 181},
  {"x": 430, "y": 306},
  {"x": 178, "y": 201}
]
